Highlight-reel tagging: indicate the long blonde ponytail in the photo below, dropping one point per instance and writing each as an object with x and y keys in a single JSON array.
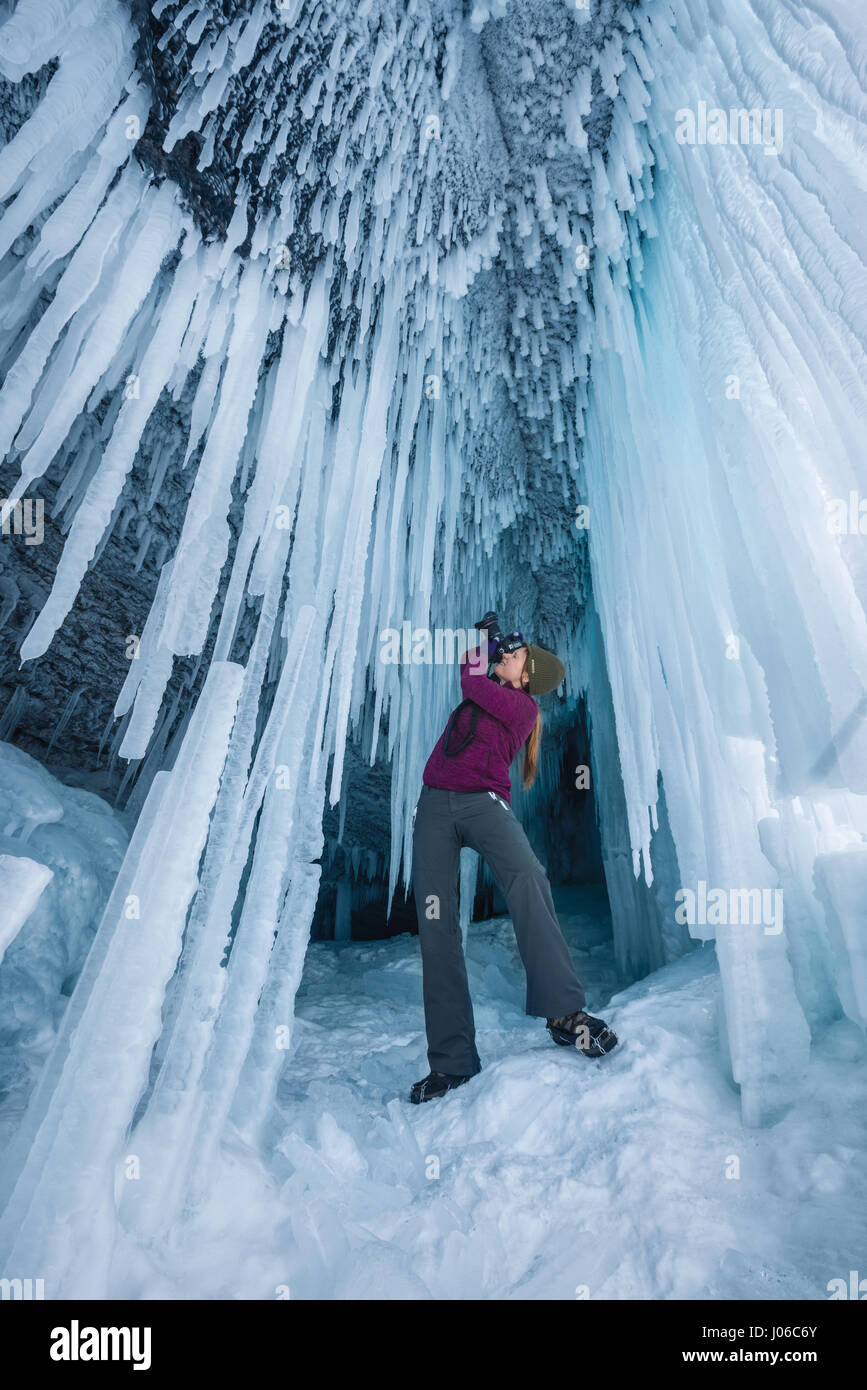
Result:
[{"x": 531, "y": 753}]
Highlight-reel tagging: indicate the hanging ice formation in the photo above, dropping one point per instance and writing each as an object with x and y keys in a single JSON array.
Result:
[{"x": 388, "y": 341}]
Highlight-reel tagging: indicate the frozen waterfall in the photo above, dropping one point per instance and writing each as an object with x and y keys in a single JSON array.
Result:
[{"x": 405, "y": 310}]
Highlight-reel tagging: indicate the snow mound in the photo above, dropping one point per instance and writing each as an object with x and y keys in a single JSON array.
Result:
[{"x": 60, "y": 850}]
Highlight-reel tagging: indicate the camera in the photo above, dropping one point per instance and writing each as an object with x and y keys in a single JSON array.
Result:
[{"x": 498, "y": 644}]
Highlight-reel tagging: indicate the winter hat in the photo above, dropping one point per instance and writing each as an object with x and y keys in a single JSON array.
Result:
[{"x": 544, "y": 669}]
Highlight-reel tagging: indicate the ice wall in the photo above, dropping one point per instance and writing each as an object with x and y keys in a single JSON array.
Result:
[
  {"x": 727, "y": 414},
  {"x": 430, "y": 230}
]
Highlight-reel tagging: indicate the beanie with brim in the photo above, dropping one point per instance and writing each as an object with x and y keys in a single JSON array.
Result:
[{"x": 544, "y": 669}]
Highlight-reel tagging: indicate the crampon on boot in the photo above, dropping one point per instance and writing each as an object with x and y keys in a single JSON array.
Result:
[
  {"x": 590, "y": 1035},
  {"x": 436, "y": 1084}
]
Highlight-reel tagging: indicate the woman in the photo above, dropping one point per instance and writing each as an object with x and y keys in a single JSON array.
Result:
[{"x": 465, "y": 800}]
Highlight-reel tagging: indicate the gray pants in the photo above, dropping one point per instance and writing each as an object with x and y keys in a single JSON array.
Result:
[{"x": 445, "y": 822}]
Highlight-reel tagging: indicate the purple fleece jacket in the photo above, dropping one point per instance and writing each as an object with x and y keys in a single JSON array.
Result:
[{"x": 505, "y": 721}]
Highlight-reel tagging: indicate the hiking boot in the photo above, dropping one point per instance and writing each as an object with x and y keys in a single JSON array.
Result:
[
  {"x": 436, "y": 1084},
  {"x": 590, "y": 1035}
]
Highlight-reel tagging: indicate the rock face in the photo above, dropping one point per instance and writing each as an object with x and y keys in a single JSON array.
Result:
[{"x": 64, "y": 701}]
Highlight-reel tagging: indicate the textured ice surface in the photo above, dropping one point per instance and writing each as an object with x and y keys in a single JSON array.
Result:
[
  {"x": 22, "y": 881},
  {"x": 457, "y": 275},
  {"x": 60, "y": 850}
]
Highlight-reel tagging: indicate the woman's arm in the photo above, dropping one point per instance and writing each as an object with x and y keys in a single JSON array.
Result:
[{"x": 511, "y": 707}]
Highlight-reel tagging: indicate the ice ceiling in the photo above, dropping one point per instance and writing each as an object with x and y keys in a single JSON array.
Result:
[{"x": 378, "y": 295}]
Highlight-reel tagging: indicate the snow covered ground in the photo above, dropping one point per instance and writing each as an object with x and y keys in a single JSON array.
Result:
[{"x": 547, "y": 1176}]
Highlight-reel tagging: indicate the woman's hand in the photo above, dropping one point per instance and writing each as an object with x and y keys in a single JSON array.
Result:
[{"x": 490, "y": 625}]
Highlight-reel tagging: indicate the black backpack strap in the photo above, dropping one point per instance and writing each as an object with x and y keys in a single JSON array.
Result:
[{"x": 474, "y": 719}]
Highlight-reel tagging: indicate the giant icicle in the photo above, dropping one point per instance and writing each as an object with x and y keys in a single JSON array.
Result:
[{"x": 736, "y": 635}]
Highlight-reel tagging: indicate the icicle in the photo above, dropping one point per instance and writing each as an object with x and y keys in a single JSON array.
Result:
[
  {"x": 204, "y": 542},
  {"x": 154, "y": 237},
  {"x": 75, "y": 286},
  {"x": 95, "y": 512},
  {"x": 169, "y": 1126},
  {"x": 72, "y": 1147}
]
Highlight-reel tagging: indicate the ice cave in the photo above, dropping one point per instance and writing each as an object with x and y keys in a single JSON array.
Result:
[{"x": 328, "y": 320}]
